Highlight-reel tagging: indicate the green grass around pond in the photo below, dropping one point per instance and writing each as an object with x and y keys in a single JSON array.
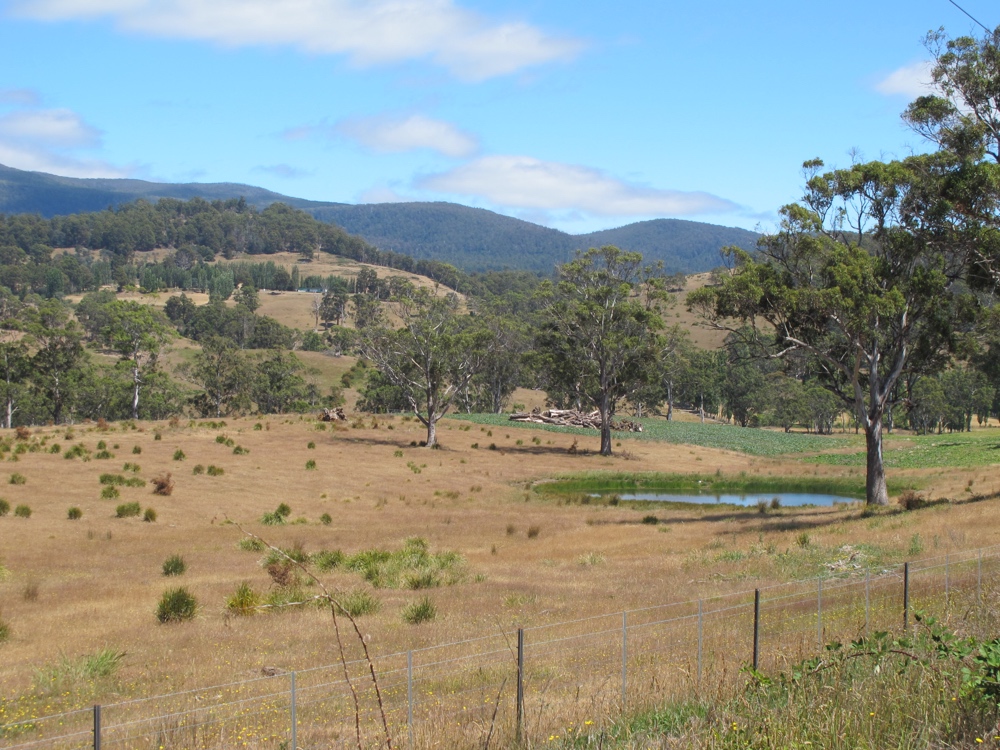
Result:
[
  {"x": 978, "y": 448},
  {"x": 704, "y": 484},
  {"x": 753, "y": 441}
]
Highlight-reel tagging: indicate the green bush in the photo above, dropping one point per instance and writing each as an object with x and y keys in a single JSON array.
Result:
[
  {"x": 283, "y": 510},
  {"x": 310, "y": 465},
  {"x": 311, "y": 445},
  {"x": 358, "y": 602},
  {"x": 198, "y": 469},
  {"x": 174, "y": 566},
  {"x": 74, "y": 514},
  {"x": 136, "y": 449},
  {"x": 110, "y": 493},
  {"x": 129, "y": 466},
  {"x": 272, "y": 519},
  {"x": 112, "y": 479},
  {"x": 4, "y": 507},
  {"x": 104, "y": 455},
  {"x": 16, "y": 478},
  {"x": 22, "y": 511},
  {"x": 216, "y": 471},
  {"x": 101, "y": 445},
  {"x": 77, "y": 451},
  {"x": 419, "y": 612},
  {"x": 243, "y": 601},
  {"x": 128, "y": 510},
  {"x": 239, "y": 450},
  {"x": 179, "y": 455},
  {"x": 326, "y": 519},
  {"x": 149, "y": 516},
  {"x": 55, "y": 448},
  {"x": 176, "y": 605}
]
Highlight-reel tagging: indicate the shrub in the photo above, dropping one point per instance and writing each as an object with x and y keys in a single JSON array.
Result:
[
  {"x": 762, "y": 506},
  {"x": 311, "y": 445},
  {"x": 310, "y": 465},
  {"x": 239, "y": 450},
  {"x": 534, "y": 531},
  {"x": 326, "y": 560},
  {"x": 129, "y": 466},
  {"x": 4, "y": 507},
  {"x": 74, "y": 514},
  {"x": 358, "y": 602},
  {"x": 215, "y": 471},
  {"x": 136, "y": 450},
  {"x": 911, "y": 500},
  {"x": 23, "y": 433},
  {"x": 651, "y": 520},
  {"x": 55, "y": 448},
  {"x": 258, "y": 427},
  {"x": 16, "y": 478},
  {"x": 163, "y": 484},
  {"x": 135, "y": 482},
  {"x": 283, "y": 510},
  {"x": 77, "y": 451},
  {"x": 112, "y": 479},
  {"x": 420, "y": 611},
  {"x": 198, "y": 469},
  {"x": 326, "y": 519},
  {"x": 22, "y": 511},
  {"x": 128, "y": 510},
  {"x": 110, "y": 493},
  {"x": 104, "y": 455},
  {"x": 243, "y": 601},
  {"x": 176, "y": 605},
  {"x": 157, "y": 436},
  {"x": 179, "y": 455},
  {"x": 149, "y": 516},
  {"x": 775, "y": 503},
  {"x": 802, "y": 540},
  {"x": 272, "y": 519},
  {"x": 174, "y": 566}
]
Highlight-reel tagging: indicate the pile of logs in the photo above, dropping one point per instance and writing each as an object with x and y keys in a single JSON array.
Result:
[
  {"x": 574, "y": 418},
  {"x": 333, "y": 415}
]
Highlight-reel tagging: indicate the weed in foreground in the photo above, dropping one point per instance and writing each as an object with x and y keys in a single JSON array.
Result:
[
  {"x": 176, "y": 605},
  {"x": 174, "y": 566}
]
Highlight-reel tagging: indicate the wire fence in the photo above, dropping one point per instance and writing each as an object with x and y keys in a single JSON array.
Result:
[{"x": 530, "y": 685}]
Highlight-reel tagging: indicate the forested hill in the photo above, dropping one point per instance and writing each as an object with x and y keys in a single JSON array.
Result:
[{"x": 471, "y": 239}]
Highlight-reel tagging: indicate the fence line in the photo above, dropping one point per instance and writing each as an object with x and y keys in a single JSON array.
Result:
[{"x": 532, "y": 683}]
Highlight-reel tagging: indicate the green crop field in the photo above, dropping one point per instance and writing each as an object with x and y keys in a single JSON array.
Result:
[{"x": 978, "y": 448}]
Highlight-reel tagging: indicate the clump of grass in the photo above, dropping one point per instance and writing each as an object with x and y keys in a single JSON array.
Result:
[
  {"x": 176, "y": 605},
  {"x": 112, "y": 479},
  {"x": 4, "y": 631},
  {"x": 239, "y": 450},
  {"x": 910, "y": 500},
  {"x": 55, "y": 448},
  {"x": 198, "y": 469},
  {"x": 110, "y": 493},
  {"x": 215, "y": 471},
  {"x": 534, "y": 531},
  {"x": 74, "y": 514},
  {"x": 104, "y": 455},
  {"x": 128, "y": 510},
  {"x": 136, "y": 450},
  {"x": 650, "y": 520},
  {"x": 258, "y": 427},
  {"x": 310, "y": 465},
  {"x": 762, "y": 506},
  {"x": 591, "y": 559},
  {"x": 916, "y": 545},
  {"x": 311, "y": 445},
  {"x": 179, "y": 455},
  {"x": 17, "y": 478},
  {"x": 802, "y": 540},
  {"x": 295, "y": 553},
  {"x": 284, "y": 510},
  {"x": 358, "y": 603},
  {"x": 4, "y": 507},
  {"x": 407, "y": 566},
  {"x": 419, "y": 612},
  {"x": 174, "y": 566},
  {"x": 326, "y": 560},
  {"x": 129, "y": 466},
  {"x": 67, "y": 673},
  {"x": 244, "y": 601},
  {"x": 22, "y": 511},
  {"x": 225, "y": 440},
  {"x": 326, "y": 519},
  {"x": 163, "y": 484},
  {"x": 149, "y": 515},
  {"x": 251, "y": 544},
  {"x": 775, "y": 503}
]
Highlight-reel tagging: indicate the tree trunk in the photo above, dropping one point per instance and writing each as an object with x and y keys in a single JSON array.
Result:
[
  {"x": 875, "y": 489},
  {"x": 431, "y": 432},
  {"x": 670, "y": 402},
  {"x": 135, "y": 393},
  {"x": 605, "y": 408}
]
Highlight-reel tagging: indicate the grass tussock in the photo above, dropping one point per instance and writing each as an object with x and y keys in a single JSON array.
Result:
[
  {"x": 412, "y": 567},
  {"x": 69, "y": 674}
]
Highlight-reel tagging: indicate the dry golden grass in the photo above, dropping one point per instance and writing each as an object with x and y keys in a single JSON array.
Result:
[{"x": 99, "y": 578}]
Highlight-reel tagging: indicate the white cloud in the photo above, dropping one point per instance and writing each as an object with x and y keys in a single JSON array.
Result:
[
  {"x": 66, "y": 165},
  {"x": 369, "y": 32},
  {"x": 48, "y": 127},
  {"x": 911, "y": 80},
  {"x": 393, "y": 135},
  {"x": 528, "y": 183}
]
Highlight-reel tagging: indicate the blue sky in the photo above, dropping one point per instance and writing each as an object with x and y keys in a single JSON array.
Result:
[{"x": 579, "y": 115}]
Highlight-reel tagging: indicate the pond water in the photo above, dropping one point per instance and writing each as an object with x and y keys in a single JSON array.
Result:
[{"x": 750, "y": 500}]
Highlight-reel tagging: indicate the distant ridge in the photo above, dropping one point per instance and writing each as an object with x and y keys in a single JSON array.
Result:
[{"x": 473, "y": 239}]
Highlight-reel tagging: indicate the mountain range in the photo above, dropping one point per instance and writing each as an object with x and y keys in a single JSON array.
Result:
[{"x": 473, "y": 239}]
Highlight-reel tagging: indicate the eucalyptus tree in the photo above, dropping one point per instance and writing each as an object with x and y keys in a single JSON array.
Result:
[
  {"x": 137, "y": 333},
  {"x": 431, "y": 357},
  {"x": 599, "y": 332},
  {"x": 861, "y": 277}
]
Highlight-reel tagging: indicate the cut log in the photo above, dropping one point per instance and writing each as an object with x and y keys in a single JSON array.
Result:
[{"x": 574, "y": 418}]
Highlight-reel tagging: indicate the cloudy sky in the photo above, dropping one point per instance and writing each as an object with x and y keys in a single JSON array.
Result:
[{"x": 580, "y": 115}]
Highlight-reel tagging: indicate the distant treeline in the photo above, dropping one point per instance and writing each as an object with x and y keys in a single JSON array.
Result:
[{"x": 199, "y": 231}]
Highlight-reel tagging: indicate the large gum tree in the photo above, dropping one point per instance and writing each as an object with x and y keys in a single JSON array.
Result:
[{"x": 862, "y": 277}]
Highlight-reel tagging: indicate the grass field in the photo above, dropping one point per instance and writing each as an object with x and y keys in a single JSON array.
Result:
[{"x": 497, "y": 553}]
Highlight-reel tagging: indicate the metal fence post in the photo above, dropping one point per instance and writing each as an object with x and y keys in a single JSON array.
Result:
[
  {"x": 295, "y": 739},
  {"x": 624, "y": 659},
  {"x": 906, "y": 596},
  {"x": 819, "y": 613},
  {"x": 409, "y": 695},
  {"x": 979, "y": 577},
  {"x": 520, "y": 684},
  {"x": 97, "y": 727},
  {"x": 700, "y": 636},
  {"x": 756, "y": 628},
  {"x": 947, "y": 582}
]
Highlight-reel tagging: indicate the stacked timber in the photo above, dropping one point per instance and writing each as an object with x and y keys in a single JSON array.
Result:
[
  {"x": 333, "y": 415},
  {"x": 574, "y": 418}
]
